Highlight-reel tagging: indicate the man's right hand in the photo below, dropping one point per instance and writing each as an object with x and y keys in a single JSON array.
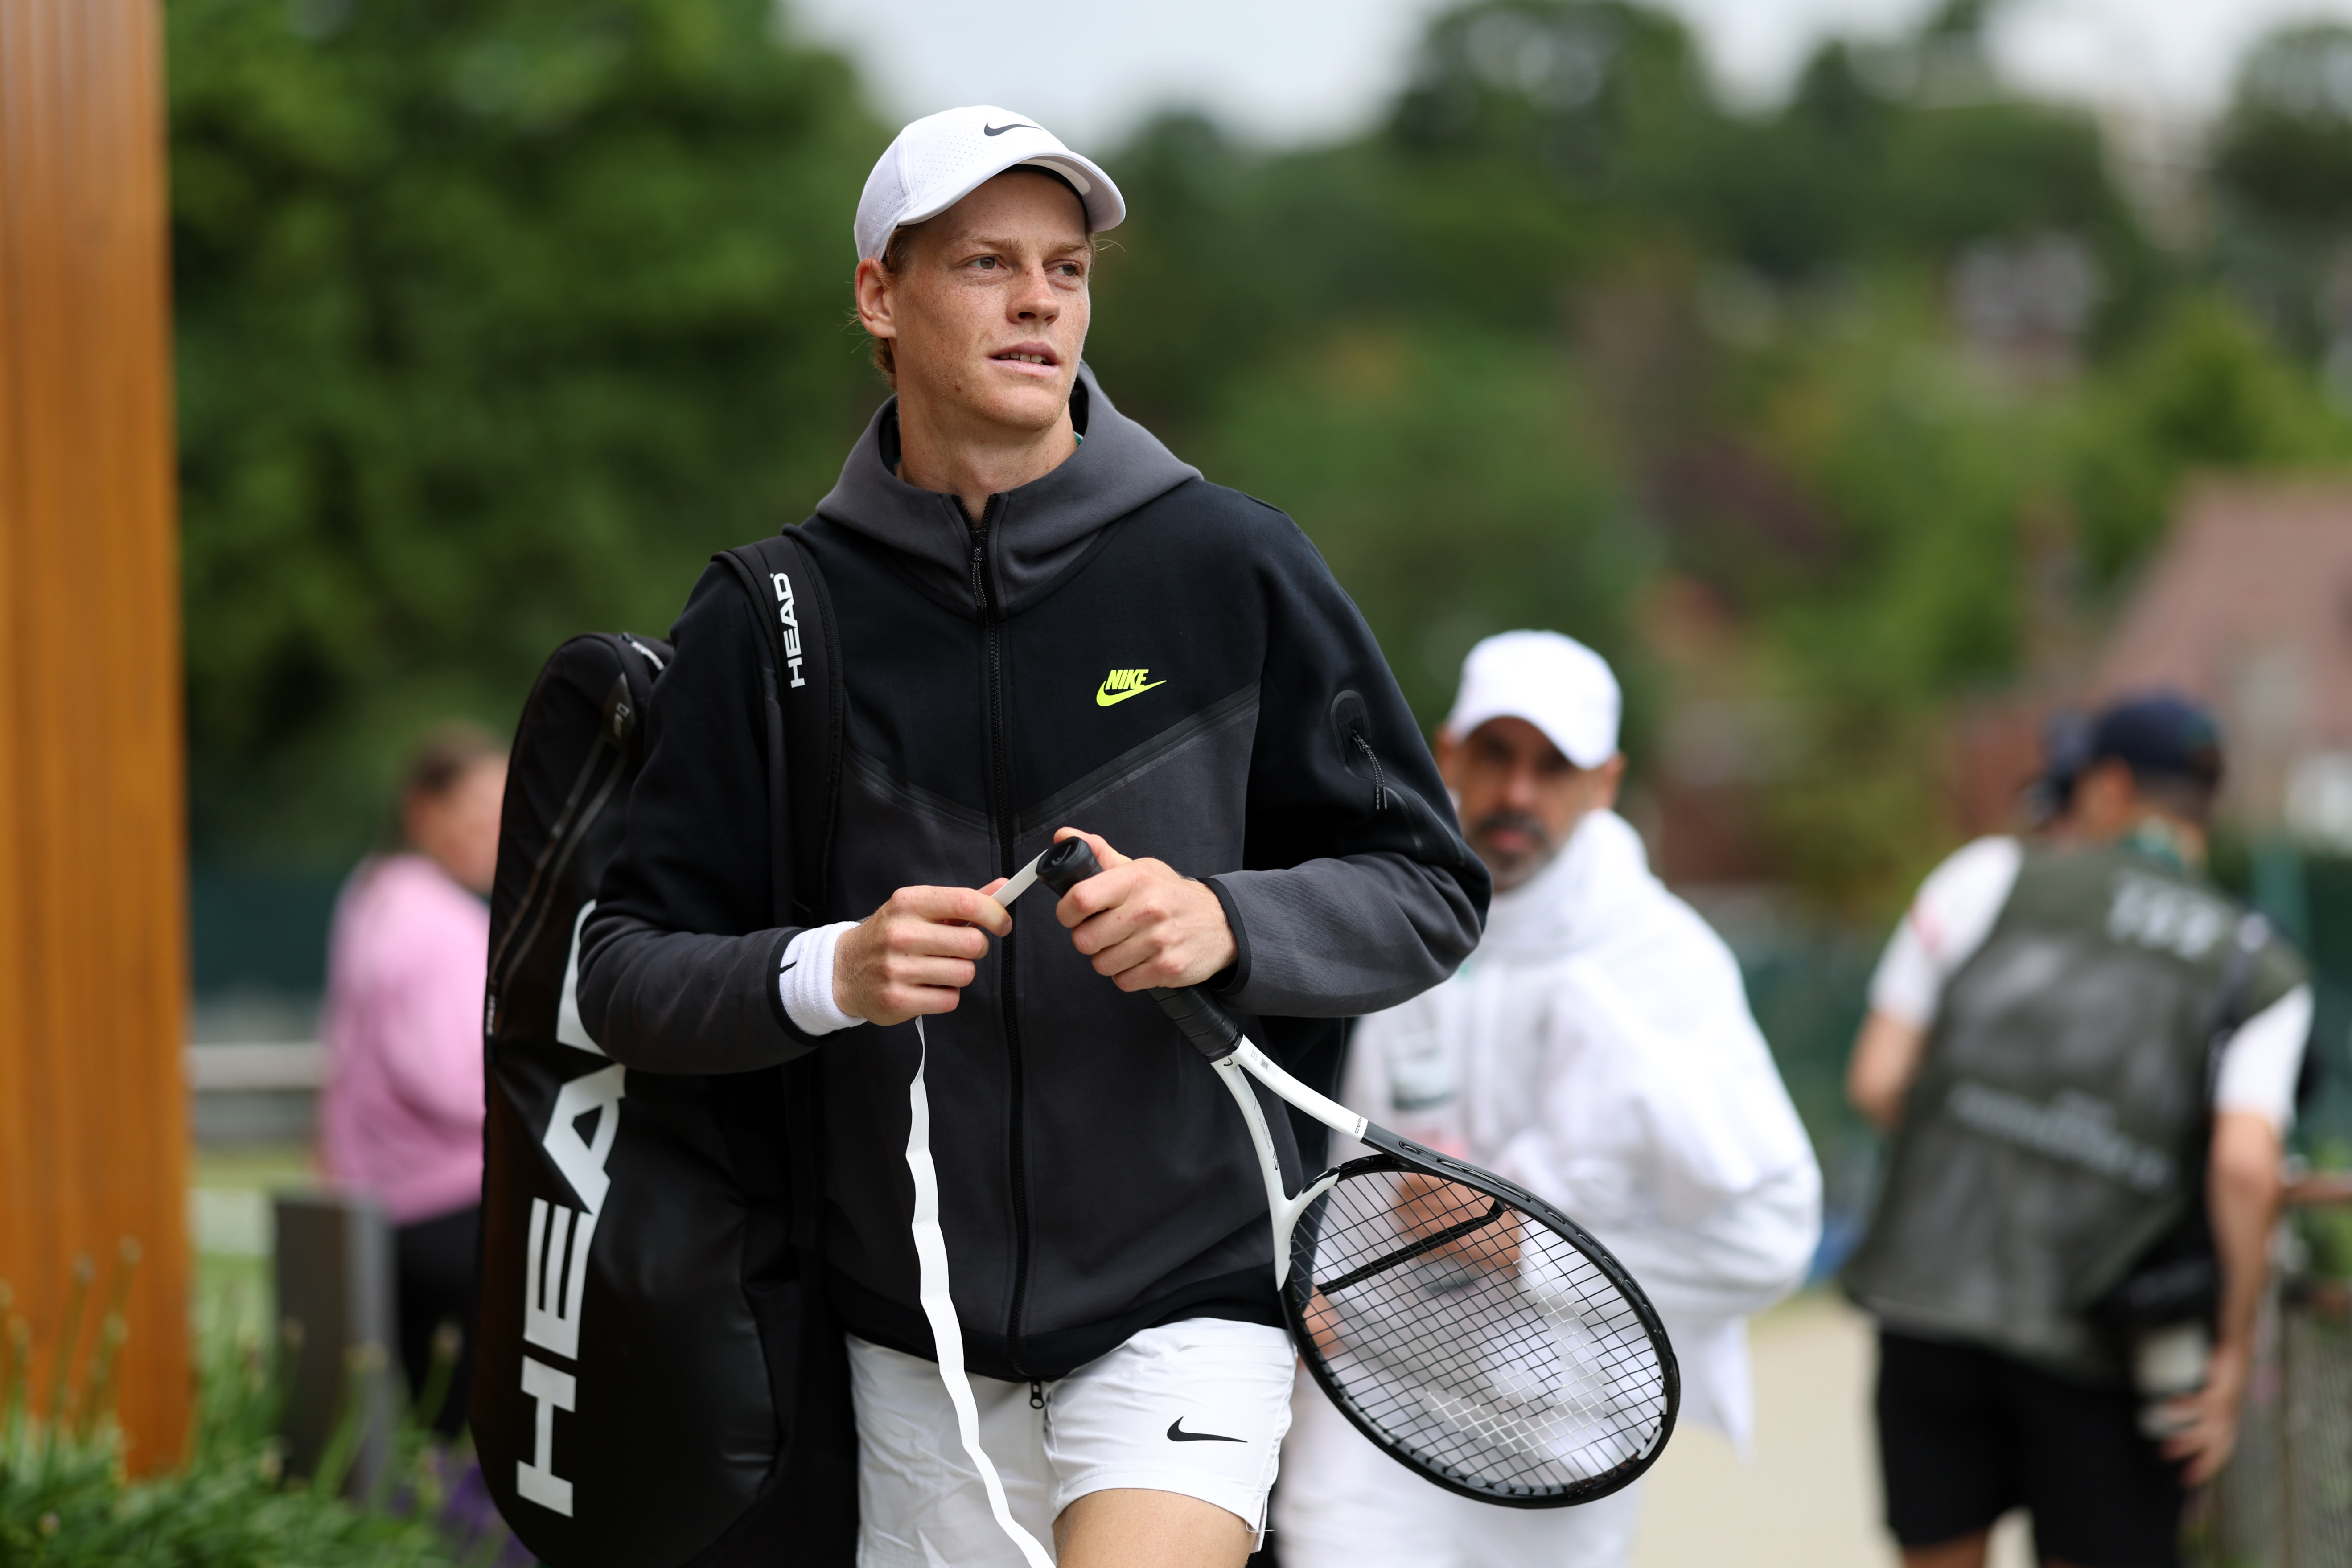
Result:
[{"x": 914, "y": 955}]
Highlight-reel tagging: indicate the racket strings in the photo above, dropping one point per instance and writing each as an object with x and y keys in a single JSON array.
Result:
[{"x": 1474, "y": 1338}]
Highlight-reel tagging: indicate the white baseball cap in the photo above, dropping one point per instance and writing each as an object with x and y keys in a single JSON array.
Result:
[
  {"x": 1555, "y": 683},
  {"x": 942, "y": 158}
]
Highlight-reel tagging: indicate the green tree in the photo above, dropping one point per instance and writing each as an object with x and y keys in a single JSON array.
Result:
[
  {"x": 2206, "y": 391},
  {"x": 1448, "y": 480},
  {"x": 2282, "y": 178},
  {"x": 495, "y": 316},
  {"x": 1922, "y": 472},
  {"x": 2285, "y": 149}
]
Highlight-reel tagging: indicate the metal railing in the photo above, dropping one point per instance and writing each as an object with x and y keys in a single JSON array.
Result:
[{"x": 2285, "y": 1499}]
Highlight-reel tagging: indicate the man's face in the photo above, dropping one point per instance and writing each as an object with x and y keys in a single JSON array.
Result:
[
  {"x": 1519, "y": 798},
  {"x": 987, "y": 314}
]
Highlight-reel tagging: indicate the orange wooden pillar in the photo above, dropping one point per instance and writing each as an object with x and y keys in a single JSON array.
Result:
[{"x": 93, "y": 1119}]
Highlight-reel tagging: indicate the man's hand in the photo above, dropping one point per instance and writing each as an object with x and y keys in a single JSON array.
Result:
[
  {"x": 1323, "y": 1322},
  {"x": 1886, "y": 1057},
  {"x": 2208, "y": 1419},
  {"x": 916, "y": 953},
  {"x": 1427, "y": 1206},
  {"x": 1141, "y": 924},
  {"x": 2241, "y": 1195}
]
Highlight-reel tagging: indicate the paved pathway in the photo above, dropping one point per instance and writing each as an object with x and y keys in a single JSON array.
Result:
[{"x": 1811, "y": 1498}]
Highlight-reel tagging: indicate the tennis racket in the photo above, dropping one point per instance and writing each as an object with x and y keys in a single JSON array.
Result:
[{"x": 1471, "y": 1330}]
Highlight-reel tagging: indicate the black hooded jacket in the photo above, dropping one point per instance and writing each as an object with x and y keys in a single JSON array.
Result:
[{"x": 1118, "y": 646}]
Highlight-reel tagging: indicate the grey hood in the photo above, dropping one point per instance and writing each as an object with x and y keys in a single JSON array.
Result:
[{"x": 1040, "y": 527}]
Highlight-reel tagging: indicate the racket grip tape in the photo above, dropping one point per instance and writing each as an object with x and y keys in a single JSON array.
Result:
[{"x": 1211, "y": 1030}]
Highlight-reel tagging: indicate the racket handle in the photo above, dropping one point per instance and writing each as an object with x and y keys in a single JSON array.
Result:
[{"x": 1211, "y": 1030}]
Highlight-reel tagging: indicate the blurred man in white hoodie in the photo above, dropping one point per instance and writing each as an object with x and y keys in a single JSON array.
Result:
[{"x": 1598, "y": 1050}]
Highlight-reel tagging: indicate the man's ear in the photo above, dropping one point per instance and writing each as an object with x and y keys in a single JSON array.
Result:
[
  {"x": 1448, "y": 751},
  {"x": 876, "y": 307},
  {"x": 1613, "y": 775}
]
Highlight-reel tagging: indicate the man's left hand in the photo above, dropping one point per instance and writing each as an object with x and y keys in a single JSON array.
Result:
[
  {"x": 1429, "y": 1205},
  {"x": 1141, "y": 924},
  {"x": 2207, "y": 1418}
]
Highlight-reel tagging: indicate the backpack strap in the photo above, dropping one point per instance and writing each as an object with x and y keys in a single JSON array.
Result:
[{"x": 803, "y": 688}]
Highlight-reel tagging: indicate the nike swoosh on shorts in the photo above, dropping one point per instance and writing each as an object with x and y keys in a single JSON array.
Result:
[{"x": 1176, "y": 1434}]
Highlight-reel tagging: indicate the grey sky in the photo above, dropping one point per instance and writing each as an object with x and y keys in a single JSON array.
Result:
[{"x": 1284, "y": 70}]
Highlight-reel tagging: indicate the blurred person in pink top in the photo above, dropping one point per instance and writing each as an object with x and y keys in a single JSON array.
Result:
[{"x": 400, "y": 1117}]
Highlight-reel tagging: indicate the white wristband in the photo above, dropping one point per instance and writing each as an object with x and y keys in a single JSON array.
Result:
[{"x": 805, "y": 980}]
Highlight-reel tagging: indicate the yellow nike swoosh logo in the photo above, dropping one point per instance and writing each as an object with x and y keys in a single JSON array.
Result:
[{"x": 1104, "y": 697}]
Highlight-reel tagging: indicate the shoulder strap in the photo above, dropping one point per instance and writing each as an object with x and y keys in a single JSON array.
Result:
[
  {"x": 804, "y": 686},
  {"x": 788, "y": 594}
]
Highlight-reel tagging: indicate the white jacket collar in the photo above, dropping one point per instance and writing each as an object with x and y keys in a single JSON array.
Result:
[{"x": 1579, "y": 898}]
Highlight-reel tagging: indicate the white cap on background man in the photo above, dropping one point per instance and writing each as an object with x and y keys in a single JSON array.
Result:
[
  {"x": 1555, "y": 683},
  {"x": 942, "y": 158}
]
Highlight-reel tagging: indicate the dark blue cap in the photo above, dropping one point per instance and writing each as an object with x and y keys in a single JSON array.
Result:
[{"x": 2160, "y": 733}]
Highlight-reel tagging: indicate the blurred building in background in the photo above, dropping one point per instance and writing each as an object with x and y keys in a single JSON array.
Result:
[{"x": 2248, "y": 604}]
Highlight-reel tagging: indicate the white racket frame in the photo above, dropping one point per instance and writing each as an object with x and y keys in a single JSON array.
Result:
[{"x": 1247, "y": 1062}]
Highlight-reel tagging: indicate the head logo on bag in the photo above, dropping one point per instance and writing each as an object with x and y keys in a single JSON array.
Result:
[
  {"x": 789, "y": 622},
  {"x": 555, "y": 1264}
]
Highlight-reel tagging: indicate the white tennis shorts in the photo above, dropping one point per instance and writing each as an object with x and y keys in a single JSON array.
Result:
[{"x": 1197, "y": 1407}]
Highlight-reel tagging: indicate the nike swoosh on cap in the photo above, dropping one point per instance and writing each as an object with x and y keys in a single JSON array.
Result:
[
  {"x": 1176, "y": 1434},
  {"x": 1001, "y": 129}
]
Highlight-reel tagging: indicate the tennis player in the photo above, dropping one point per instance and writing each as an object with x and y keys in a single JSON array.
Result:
[
  {"x": 1598, "y": 1050},
  {"x": 1046, "y": 620}
]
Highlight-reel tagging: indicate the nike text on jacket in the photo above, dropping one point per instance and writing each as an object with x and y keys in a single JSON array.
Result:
[{"x": 1119, "y": 646}]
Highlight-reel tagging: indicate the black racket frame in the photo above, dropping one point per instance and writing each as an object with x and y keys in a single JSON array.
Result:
[{"x": 1398, "y": 1156}]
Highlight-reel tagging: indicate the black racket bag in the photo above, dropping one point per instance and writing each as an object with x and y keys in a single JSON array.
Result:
[{"x": 657, "y": 1379}]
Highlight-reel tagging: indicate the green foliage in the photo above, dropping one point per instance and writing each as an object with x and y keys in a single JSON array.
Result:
[
  {"x": 66, "y": 1500},
  {"x": 495, "y": 318},
  {"x": 1851, "y": 172},
  {"x": 1446, "y": 480},
  {"x": 2285, "y": 152},
  {"x": 2205, "y": 393},
  {"x": 2282, "y": 183},
  {"x": 1921, "y": 470}
]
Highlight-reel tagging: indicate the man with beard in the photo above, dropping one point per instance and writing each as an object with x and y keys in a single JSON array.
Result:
[{"x": 1598, "y": 1050}]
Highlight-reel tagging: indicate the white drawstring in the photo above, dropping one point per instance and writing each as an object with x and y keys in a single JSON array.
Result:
[{"x": 939, "y": 1306}]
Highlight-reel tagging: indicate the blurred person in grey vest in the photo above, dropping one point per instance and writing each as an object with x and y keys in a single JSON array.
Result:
[
  {"x": 1598, "y": 1050},
  {"x": 2087, "y": 1058},
  {"x": 400, "y": 1118}
]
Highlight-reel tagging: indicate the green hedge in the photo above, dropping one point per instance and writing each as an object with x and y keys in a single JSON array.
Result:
[{"x": 66, "y": 1500}]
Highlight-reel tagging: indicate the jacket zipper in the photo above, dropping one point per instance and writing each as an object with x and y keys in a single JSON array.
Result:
[
  {"x": 1002, "y": 774},
  {"x": 1379, "y": 780}
]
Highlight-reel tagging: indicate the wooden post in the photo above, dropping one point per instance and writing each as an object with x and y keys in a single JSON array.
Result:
[{"x": 93, "y": 965}]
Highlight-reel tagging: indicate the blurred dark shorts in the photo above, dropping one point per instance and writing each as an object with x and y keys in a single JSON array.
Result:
[{"x": 1965, "y": 1435}]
